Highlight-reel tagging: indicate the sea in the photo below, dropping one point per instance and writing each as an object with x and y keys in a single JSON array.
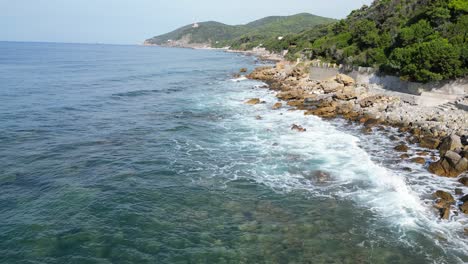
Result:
[{"x": 133, "y": 154}]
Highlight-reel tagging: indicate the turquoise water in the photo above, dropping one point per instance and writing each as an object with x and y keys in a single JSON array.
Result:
[{"x": 127, "y": 154}]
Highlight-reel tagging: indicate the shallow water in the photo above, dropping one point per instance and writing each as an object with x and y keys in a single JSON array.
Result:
[{"x": 126, "y": 154}]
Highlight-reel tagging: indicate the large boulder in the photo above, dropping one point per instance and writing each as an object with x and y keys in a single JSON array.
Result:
[
  {"x": 296, "y": 94},
  {"x": 451, "y": 165},
  {"x": 346, "y": 94},
  {"x": 445, "y": 196},
  {"x": 345, "y": 80},
  {"x": 263, "y": 73},
  {"x": 429, "y": 142},
  {"x": 452, "y": 142},
  {"x": 331, "y": 86}
]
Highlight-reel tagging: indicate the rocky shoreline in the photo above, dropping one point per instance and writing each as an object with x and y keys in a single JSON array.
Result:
[{"x": 340, "y": 96}]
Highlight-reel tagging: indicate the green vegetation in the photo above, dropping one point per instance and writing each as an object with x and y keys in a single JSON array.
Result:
[
  {"x": 419, "y": 40},
  {"x": 243, "y": 36}
]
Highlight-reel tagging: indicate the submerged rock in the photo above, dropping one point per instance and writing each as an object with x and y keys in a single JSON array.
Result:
[
  {"x": 319, "y": 177},
  {"x": 298, "y": 128},
  {"x": 402, "y": 148},
  {"x": 253, "y": 101},
  {"x": 277, "y": 106},
  {"x": 404, "y": 156},
  {"x": 419, "y": 160}
]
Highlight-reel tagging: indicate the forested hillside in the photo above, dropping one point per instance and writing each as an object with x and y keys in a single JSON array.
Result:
[
  {"x": 246, "y": 36},
  {"x": 419, "y": 40}
]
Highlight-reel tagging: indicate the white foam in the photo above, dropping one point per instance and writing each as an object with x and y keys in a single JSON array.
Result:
[
  {"x": 382, "y": 189},
  {"x": 395, "y": 196}
]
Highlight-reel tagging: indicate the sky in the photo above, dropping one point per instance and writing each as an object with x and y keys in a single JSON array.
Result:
[{"x": 133, "y": 21}]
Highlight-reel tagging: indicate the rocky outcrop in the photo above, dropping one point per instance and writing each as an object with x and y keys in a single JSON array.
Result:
[
  {"x": 452, "y": 142},
  {"x": 341, "y": 96},
  {"x": 450, "y": 165}
]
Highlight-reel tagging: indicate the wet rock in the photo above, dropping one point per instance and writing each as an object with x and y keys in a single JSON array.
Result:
[
  {"x": 371, "y": 122},
  {"x": 298, "y": 128},
  {"x": 422, "y": 153},
  {"x": 464, "y": 208},
  {"x": 452, "y": 142},
  {"x": 451, "y": 165},
  {"x": 429, "y": 142},
  {"x": 243, "y": 70},
  {"x": 393, "y": 138},
  {"x": 253, "y": 101},
  {"x": 443, "y": 203},
  {"x": 404, "y": 156},
  {"x": 464, "y": 199},
  {"x": 320, "y": 177},
  {"x": 419, "y": 160},
  {"x": 444, "y": 213},
  {"x": 277, "y": 106},
  {"x": 402, "y": 148},
  {"x": 458, "y": 191},
  {"x": 367, "y": 130},
  {"x": 464, "y": 140},
  {"x": 345, "y": 80},
  {"x": 463, "y": 180},
  {"x": 258, "y": 117},
  {"x": 445, "y": 197}
]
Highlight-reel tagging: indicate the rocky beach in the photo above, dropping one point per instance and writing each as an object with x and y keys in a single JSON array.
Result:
[{"x": 442, "y": 134}]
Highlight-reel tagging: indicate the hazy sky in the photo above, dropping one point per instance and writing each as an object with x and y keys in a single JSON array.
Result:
[{"x": 132, "y": 21}]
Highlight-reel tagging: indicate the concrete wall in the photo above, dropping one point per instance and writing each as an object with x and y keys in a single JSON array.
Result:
[{"x": 449, "y": 89}]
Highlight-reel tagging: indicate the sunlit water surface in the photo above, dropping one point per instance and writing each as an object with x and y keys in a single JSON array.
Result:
[{"x": 127, "y": 154}]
